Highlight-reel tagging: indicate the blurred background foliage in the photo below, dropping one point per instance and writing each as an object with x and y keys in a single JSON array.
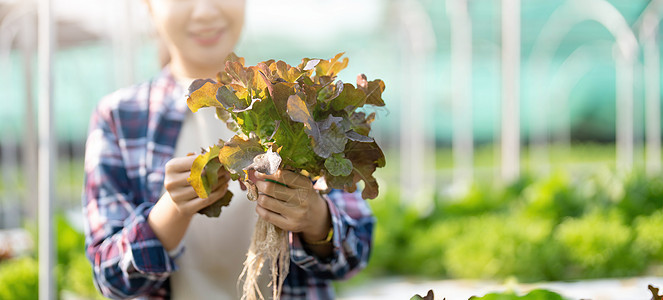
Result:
[
  {"x": 558, "y": 227},
  {"x": 555, "y": 228}
]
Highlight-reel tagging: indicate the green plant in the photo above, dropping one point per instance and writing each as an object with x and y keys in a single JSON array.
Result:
[
  {"x": 642, "y": 195},
  {"x": 598, "y": 245},
  {"x": 295, "y": 118},
  {"x": 300, "y": 118},
  {"x": 77, "y": 278},
  {"x": 73, "y": 270},
  {"x": 497, "y": 246},
  {"x": 649, "y": 234},
  {"x": 19, "y": 279},
  {"x": 538, "y": 294},
  {"x": 555, "y": 228},
  {"x": 553, "y": 198}
]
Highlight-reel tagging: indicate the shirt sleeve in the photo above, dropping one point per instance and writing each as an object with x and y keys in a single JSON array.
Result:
[
  {"x": 128, "y": 260},
  {"x": 353, "y": 224}
]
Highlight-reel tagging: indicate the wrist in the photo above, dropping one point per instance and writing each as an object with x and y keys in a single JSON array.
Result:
[
  {"x": 320, "y": 230},
  {"x": 174, "y": 210},
  {"x": 168, "y": 222}
]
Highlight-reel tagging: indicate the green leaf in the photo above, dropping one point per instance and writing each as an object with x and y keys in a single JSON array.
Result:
[
  {"x": 372, "y": 89},
  {"x": 299, "y": 112},
  {"x": 239, "y": 74},
  {"x": 654, "y": 292},
  {"x": 538, "y": 294},
  {"x": 365, "y": 158},
  {"x": 352, "y": 135},
  {"x": 338, "y": 165},
  {"x": 349, "y": 97},
  {"x": 327, "y": 137},
  {"x": 202, "y": 93},
  {"x": 210, "y": 164},
  {"x": 286, "y": 72},
  {"x": 228, "y": 99},
  {"x": 280, "y": 93},
  {"x": 308, "y": 93},
  {"x": 214, "y": 209},
  {"x": 330, "y": 91},
  {"x": 332, "y": 66},
  {"x": 361, "y": 123},
  {"x": 429, "y": 296},
  {"x": 331, "y": 137},
  {"x": 303, "y": 112},
  {"x": 238, "y": 153}
]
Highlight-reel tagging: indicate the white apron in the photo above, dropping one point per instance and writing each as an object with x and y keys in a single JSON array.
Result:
[{"x": 215, "y": 248}]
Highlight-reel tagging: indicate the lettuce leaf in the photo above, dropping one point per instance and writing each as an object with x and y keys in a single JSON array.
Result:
[{"x": 304, "y": 113}]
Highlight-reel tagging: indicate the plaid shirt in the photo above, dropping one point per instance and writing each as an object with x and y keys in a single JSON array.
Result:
[{"x": 132, "y": 135}]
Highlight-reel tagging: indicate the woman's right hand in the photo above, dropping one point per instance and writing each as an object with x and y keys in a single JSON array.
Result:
[
  {"x": 171, "y": 215},
  {"x": 182, "y": 193}
]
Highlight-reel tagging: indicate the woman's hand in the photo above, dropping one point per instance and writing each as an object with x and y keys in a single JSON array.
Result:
[
  {"x": 296, "y": 207},
  {"x": 180, "y": 191},
  {"x": 171, "y": 215}
]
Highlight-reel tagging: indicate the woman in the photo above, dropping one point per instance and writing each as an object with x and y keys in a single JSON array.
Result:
[{"x": 144, "y": 237}]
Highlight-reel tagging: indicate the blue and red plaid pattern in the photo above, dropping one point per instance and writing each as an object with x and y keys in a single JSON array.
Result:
[{"x": 132, "y": 135}]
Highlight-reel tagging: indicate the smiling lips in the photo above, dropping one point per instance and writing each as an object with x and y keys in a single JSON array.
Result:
[{"x": 207, "y": 37}]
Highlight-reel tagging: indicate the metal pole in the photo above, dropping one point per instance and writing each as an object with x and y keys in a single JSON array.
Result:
[
  {"x": 417, "y": 148},
  {"x": 27, "y": 41},
  {"x": 652, "y": 72},
  {"x": 123, "y": 42},
  {"x": 624, "y": 91},
  {"x": 46, "y": 153},
  {"x": 10, "y": 203},
  {"x": 461, "y": 86},
  {"x": 510, "y": 89}
]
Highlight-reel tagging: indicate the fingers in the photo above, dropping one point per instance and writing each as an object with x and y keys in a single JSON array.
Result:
[
  {"x": 175, "y": 180},
  {"x": 198, "y": 203},
  {"x": 289, "y": 178},
  {"x": 183, "y": 194},
  {"x": 276, "y": 190},
  {"x": 272, "y": 204},
  {"x": 180, "y": 164},
  {"x": 274, "y": 218}
]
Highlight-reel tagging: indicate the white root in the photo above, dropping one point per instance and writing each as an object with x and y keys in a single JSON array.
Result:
[{"x": 268, "y": 243}]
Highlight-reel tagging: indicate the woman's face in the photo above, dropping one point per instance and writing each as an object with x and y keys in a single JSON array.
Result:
[{"x": 199, "y": 34}]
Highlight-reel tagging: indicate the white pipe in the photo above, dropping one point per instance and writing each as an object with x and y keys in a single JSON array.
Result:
[
  {"x": 121, "y": 32},
  {"x": 7, "y": 165},
  {"x": 510, "y": 138},
  {"x": 27, "y": 43},
  {"x": 652, "y": 66},
  {"x": 46, "y": 153},
  {"x": 461, "y": 90},
  {"x": 601, "y": 11},
  {"x": 624, "y": 91},
  {"x": 10, "y": 202},
  {"x": 417, "y": 148},
  {"x": 570, "y": 72}
]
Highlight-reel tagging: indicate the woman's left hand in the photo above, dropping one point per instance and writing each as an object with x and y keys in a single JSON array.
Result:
[{"x": 296, "y": 207}]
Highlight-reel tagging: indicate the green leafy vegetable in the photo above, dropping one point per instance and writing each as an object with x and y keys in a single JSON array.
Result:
[
  {"x": 338, "y": 165},
  {"x": 202, "y": 183},
  {"x": 654, "y": 292},
  {"x": 428, "y": 296},
  {"x": 300, "y": 118}
]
